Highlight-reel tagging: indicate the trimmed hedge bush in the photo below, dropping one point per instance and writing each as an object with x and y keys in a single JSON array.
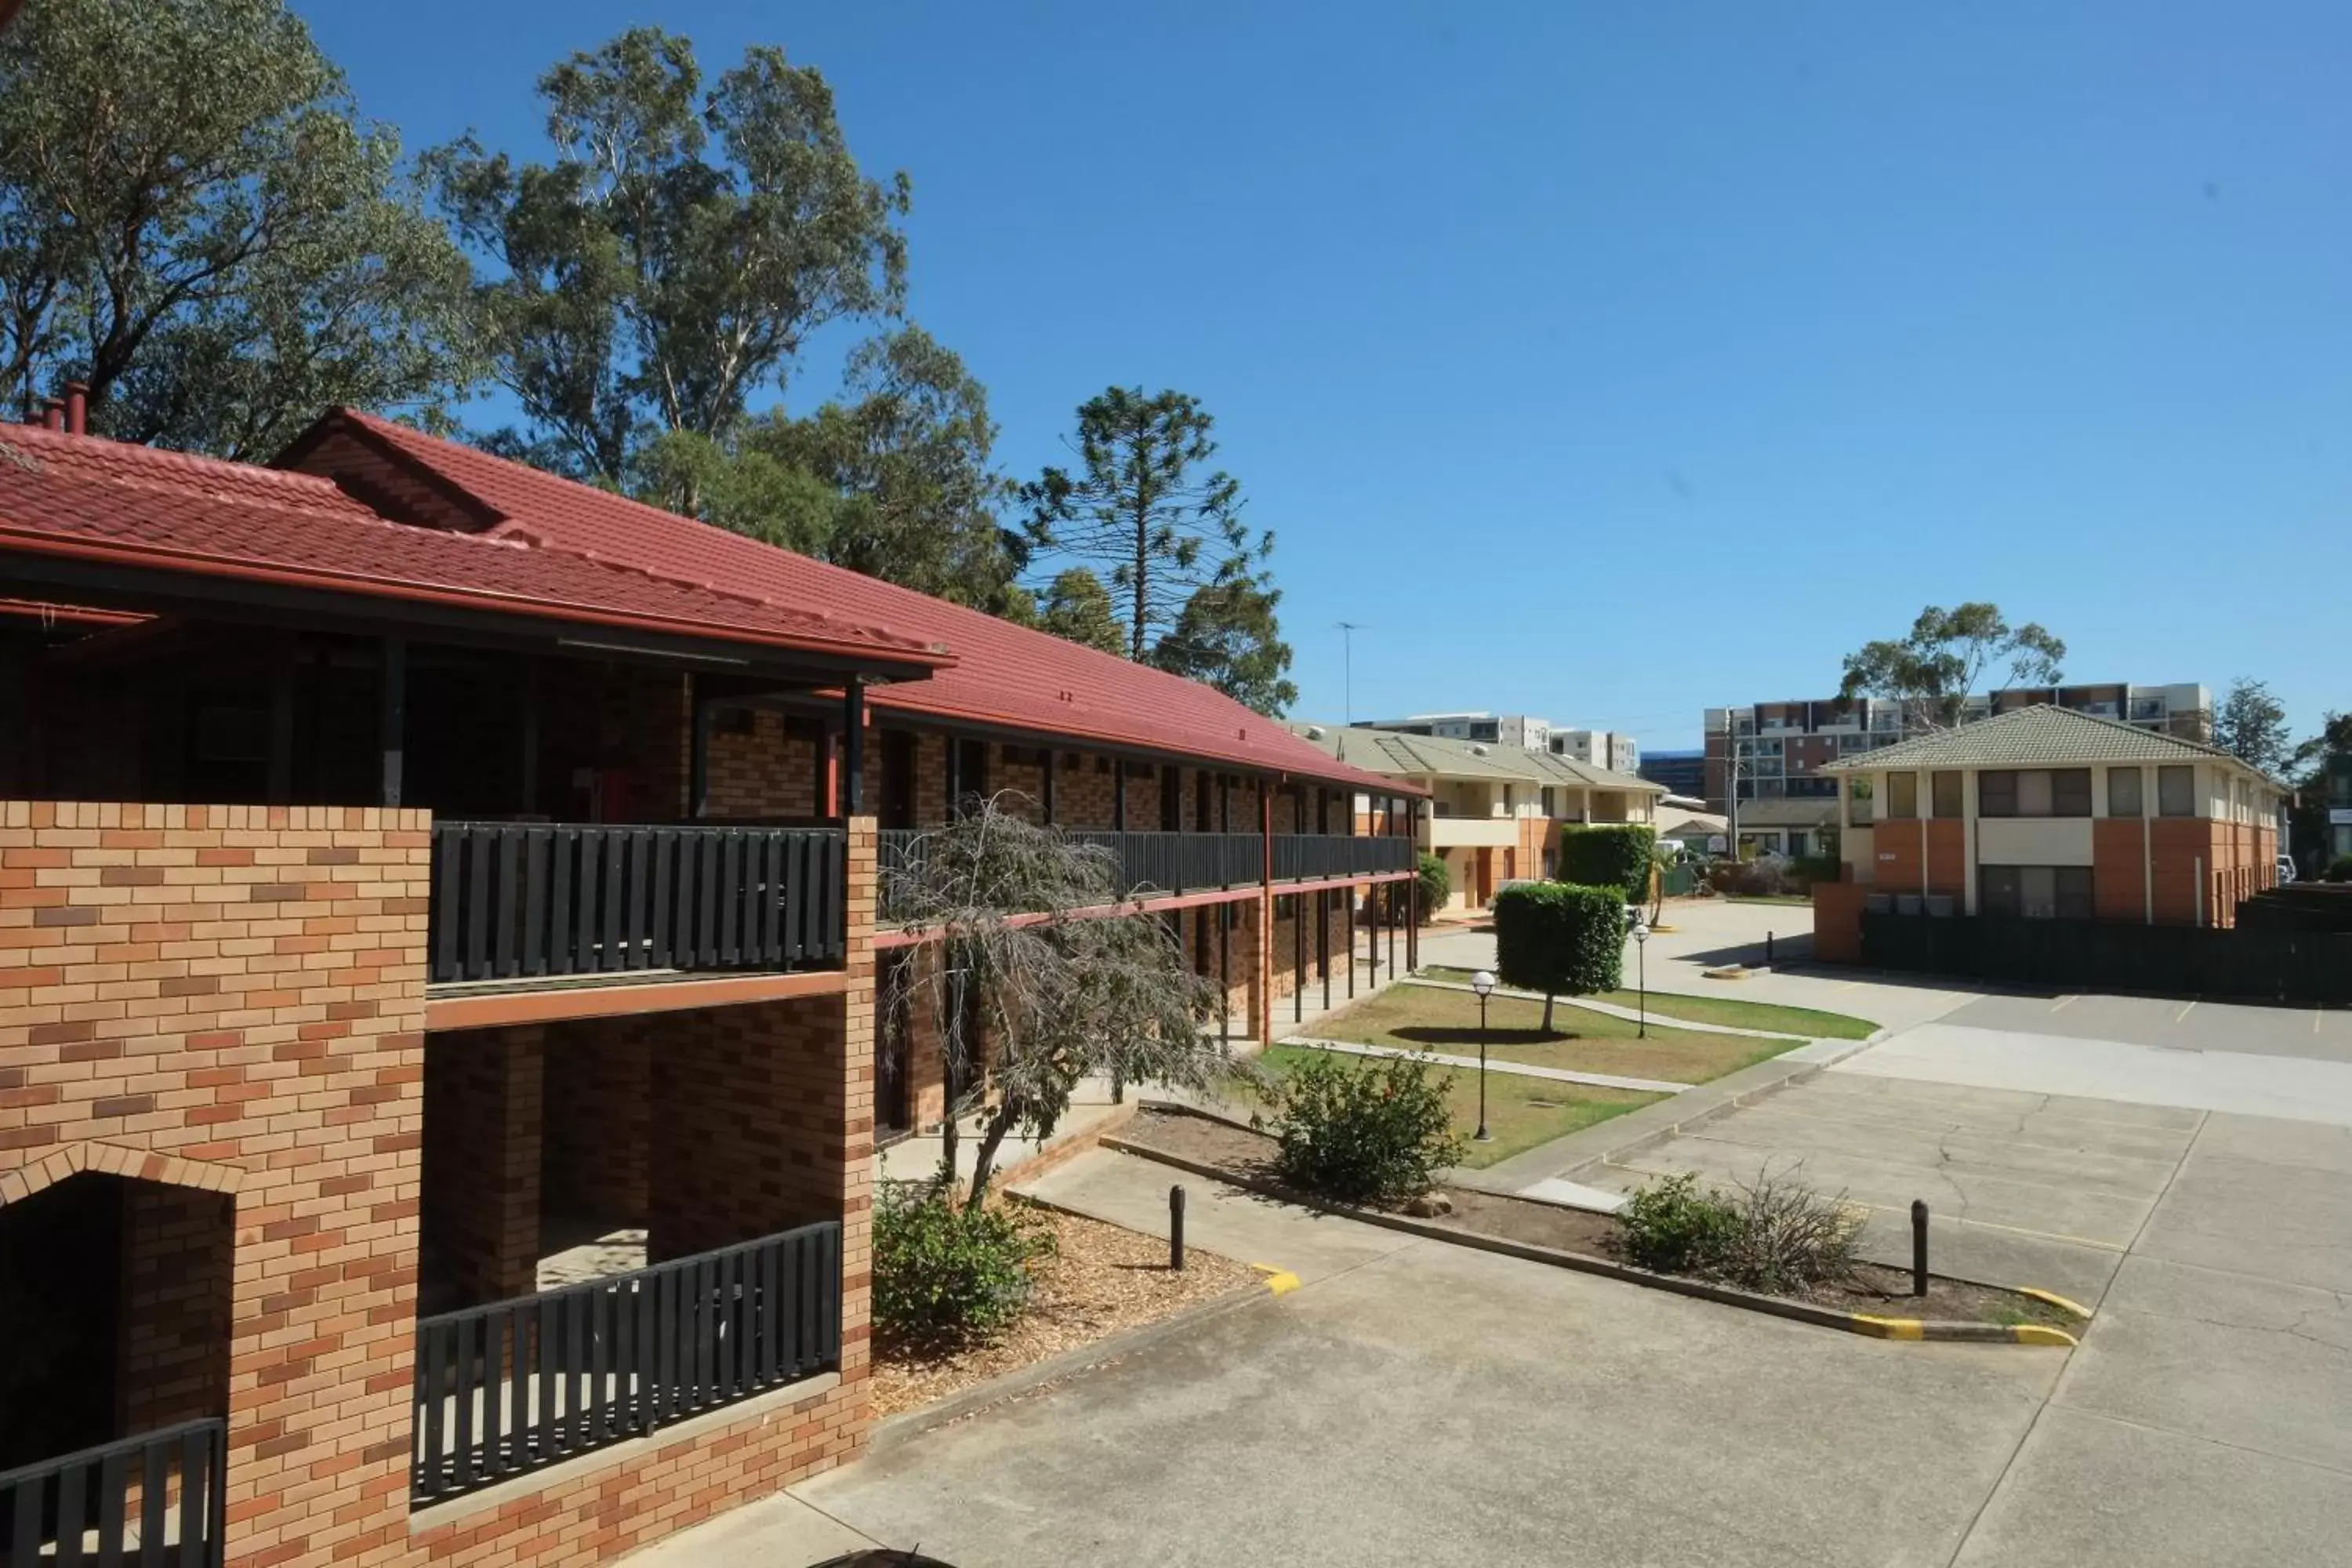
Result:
[
  {"x": 1560, "y": 939},
  {"x": 1613, "y": 856},
  {"x": 2338, "y": 869}
]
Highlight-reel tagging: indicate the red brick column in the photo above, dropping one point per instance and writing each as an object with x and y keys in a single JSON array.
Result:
[{"x": 484, "y": 1109}]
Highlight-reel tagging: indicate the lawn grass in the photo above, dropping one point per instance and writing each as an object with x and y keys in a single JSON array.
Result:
[
  {"x": 1427, "y": 1018},
  {"x": 1521, "y": 1112},
  {"x": 1728, "y": 1011}
]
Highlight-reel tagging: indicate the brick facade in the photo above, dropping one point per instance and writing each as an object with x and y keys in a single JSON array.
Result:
[
  {"x": 479, "y": 1174},
  {"x": 224, "y": 1006}
]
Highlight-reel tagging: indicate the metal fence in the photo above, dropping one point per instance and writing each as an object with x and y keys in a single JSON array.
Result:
[
  {"x": 2114, "y": 955},
  {"x": 518, "y": 1385},
  {"x": 518, "y": 901},
  {"x": 1203, "y": 862},
  {"x": 153, "y": 1500}
]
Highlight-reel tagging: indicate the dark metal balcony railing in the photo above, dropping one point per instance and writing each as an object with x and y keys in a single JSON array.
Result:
[
  {"x": 153, "y": 1500},
  {"x": 522, "y": 901},
  {"x": 519, "y": 1385},
  {"x": 1208, "y": 862}
]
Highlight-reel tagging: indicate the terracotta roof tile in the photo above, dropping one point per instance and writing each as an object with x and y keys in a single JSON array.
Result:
[
  {"x": 1004, "y": 675},
  {"x": 83, "y": 495}
]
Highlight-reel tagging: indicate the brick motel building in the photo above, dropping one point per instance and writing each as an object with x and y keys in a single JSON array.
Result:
[
  {"x": 2046, "y": 813},
  {"x": 413, "y": 866}
]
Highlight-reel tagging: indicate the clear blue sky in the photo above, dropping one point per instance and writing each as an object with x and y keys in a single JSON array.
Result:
[{"x": 1613, "y": 360}]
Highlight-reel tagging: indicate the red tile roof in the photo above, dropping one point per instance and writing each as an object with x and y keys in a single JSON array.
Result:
[
  {"x": 1004, "y": 675},
  {"x": 92, "y": 498}
]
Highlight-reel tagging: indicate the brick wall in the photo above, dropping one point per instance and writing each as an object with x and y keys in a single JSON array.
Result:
[
  {"x": 599, "y": 1100},
  {"x": 1900, "y": 846},
  {"x": 480, "y": 1177},
  {"x": 231, "y": 999},
  {"x": 760, "y": 766},
  {"x": 228, "y": 1002}
]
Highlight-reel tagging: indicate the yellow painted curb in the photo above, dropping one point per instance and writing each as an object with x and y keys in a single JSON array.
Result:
[
  {"x": 1280, "y": 1282},
  {"x": 2054, "y": 1300},
  {"x": 1891, "y": 1328},
  {"x": 2037, "y": 1334}
]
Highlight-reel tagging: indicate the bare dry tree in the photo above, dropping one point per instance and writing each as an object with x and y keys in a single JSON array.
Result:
[{"x": 1027, "y": 946}]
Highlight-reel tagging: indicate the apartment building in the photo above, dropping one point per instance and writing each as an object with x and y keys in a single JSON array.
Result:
[
  {"x": 1681, "y": 773},
  {"x": 1495, "y": 812},
  {"x": 2046, "y": 813},
  {"x": 1613, "y": 750},
  {"x": 412, "y": 864},
  {"x": 1780, "y": 750}
]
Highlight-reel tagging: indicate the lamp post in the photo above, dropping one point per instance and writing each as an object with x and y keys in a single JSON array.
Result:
[
  {"x": 1482, "y": 983},
  {"x": 1641, "y": 959}
]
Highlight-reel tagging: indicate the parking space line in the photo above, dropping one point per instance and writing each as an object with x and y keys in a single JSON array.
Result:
[
  {"x": 2063, "y": 1003},
  {"x": 2317, "y": 1014},
  {"x": 2184, "y": 1012}
]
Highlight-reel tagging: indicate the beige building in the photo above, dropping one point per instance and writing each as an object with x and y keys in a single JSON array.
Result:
[{"x": 1495, "y": 811}]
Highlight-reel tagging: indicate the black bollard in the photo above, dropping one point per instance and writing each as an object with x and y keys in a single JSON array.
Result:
[
  {"x": 1918, "y": 1248},
  {"x": 1176, "y": 1228},
  {"x": 1767, "y": 949}
]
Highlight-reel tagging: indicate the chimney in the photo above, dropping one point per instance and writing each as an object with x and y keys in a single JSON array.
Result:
[
  {"x": 76, "y": 408},
  {"x": 53, "y": 414}
]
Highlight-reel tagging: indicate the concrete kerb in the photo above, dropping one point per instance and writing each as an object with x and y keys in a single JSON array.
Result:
[{"x": 1907, "y": 1329}]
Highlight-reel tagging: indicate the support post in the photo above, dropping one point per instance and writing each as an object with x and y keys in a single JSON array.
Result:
[
  {"x": 697, "y": 767},
  {"x": 1266, "y": 917},
  {"x": 1176, "y": 1228},
  {"x": 853, "y": 748},
  {"x": 1118, "y": 794},
  {"x": 1299, "y": 958},
  {"x": 1224, "y": 974},
  {"x": 532, "y": 693},
  {"x": 281, "y": 719},
  {"x": 1348, "y": 931},
  {"x": 392, "y": 716},
  {"x": 1053, "y": 771},
  {"x": 955, "y": 777},
  {"x": 1919, "y": 1246},
  {"x": 1323, "y": 942}
]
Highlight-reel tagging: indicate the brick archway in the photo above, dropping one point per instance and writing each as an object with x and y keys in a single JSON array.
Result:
[{"x": 114, "y": 1160}]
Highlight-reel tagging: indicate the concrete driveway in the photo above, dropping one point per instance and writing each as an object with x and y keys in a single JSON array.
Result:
[{"x": 2203, "y": 1421}]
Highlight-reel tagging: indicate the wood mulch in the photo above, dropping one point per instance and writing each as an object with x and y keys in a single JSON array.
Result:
[
  {"x": 1102, "y": 1280},
  {"x": 1875, "y": 1289}
]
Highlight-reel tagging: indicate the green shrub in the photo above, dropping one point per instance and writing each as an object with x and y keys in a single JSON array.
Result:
[
  {"x": 1436, "y": 883},
  {"x": 1612, "y": 857},
  {"x": 1560, "y": 939},
  {"x": 1808, "y": 869},
  {"x": 2338, "y": 869},
  {"x": 1775, "y": 1235},
  {"x": 1372, "y": 1131},
  {"x": 945, "y": 1273},
  {"x": 1671, "y": 1227}
]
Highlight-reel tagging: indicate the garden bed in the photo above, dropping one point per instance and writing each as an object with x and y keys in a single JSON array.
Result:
[
  {"x": 1247, "y": 1158},
  {"x": 1444, "y": 1021},
  {"x": 1102, "y": 1281}
]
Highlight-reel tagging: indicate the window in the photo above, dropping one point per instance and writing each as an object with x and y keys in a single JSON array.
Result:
[
  {"x": 1997, "y": 794},
  {"x": 1902, "y": 797},
  {"x": 2069, "y": 792},
  {"x": 1549, "y": 808},
  {"x": 1945, "y": 788},
  {"x": 2123, "y": 791},
  {"x": 2176, "y": 792},
  {"x": 2035, "y": 892},
  {"x": 1859, "y": 797},
  {"x": 2035, "y": 792}
]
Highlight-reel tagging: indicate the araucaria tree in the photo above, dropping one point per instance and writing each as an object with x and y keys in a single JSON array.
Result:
[
  {"x": 1146, "y": 512},
  {"x": 1015, "y": 950},
  {"x": 2250, "y": 725},
  {"x": 194, "y": 221},
  {"x": 1933, "y": 669}
]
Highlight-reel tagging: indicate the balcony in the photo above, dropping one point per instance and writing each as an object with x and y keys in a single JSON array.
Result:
[
  {"x": 1184, "y": 863},
  {"x": 523, "y": 902},
  {"x": 1468, "y": 832}
]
